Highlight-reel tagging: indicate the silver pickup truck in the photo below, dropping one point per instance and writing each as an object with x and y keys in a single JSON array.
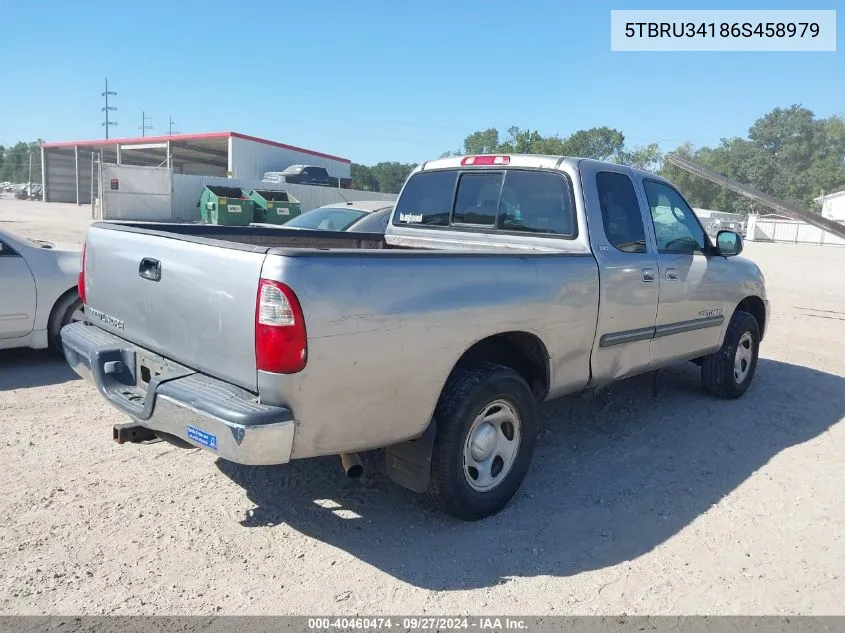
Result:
[{"x": 501, "y": 282}]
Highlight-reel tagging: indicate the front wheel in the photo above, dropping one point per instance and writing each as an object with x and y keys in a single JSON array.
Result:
[
  {"x": 486, "y": 430},
  {"x": 728, "y": 372}
]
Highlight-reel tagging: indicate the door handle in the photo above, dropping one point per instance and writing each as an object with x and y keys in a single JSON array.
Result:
[
  {"x": 647, "y": 274},
  {"x": 672, "y": 274},
  {"x": 150, "y": 268}
]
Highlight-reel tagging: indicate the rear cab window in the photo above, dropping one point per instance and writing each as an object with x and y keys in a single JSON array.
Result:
[{"x": 502, "y": 200}]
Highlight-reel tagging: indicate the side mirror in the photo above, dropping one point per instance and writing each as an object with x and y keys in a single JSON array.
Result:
[{"x": 728, "y": 243}]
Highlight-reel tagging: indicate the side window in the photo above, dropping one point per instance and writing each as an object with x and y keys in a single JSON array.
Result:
[
  {"x": 427, "y": 199},
  {"x": 675, "y": 226},
  {"x": 536, "y": 202},
  {"x": 477, "y": 198},
  {"x": 620, "y": 212},
  {"x": 7, "y": 251}
]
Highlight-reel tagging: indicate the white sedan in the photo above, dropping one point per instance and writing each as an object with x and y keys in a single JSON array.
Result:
[
  {"x": 369, "y": 216},
  {"x": 38, "y": 292}
]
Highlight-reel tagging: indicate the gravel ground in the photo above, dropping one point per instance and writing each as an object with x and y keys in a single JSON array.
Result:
[
  {"x": 683, "y": 504},
  {"x": 64, "y": 224}
]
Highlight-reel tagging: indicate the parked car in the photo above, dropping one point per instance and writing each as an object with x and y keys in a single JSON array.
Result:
[
  {"x": 307, "y": 175},
  {"x": 38, "y": 292},
  {"x": 501, "y": 282},
  {"x": 369, "y": 216}
]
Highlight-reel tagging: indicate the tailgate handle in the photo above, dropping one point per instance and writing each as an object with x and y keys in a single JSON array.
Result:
[{"x": 150, "y": 269}]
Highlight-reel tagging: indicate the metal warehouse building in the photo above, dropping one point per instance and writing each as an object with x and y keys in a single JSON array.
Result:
[{"x": 68, "y": 174}]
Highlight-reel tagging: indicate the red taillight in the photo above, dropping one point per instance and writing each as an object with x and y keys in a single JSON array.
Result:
[
  {"x": 280, "y": 342},
  {"x": 486, "y": 160},
  {"x": 81, "y": 281}
]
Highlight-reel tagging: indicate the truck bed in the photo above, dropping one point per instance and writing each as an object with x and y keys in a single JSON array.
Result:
[
  {"x": 251, "y": 238},
  {"x": 188, "y": 293},
  {"x": 290, "y": 242}
]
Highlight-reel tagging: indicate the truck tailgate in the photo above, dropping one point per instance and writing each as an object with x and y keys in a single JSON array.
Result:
[{"x": 201, "y": 310}]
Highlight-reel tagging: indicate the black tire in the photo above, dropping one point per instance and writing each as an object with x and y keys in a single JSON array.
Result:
[
  {"x": 717, "y": 369},
  {"x": 467, "y": 393},
  {"x": 60, "y": 317}
]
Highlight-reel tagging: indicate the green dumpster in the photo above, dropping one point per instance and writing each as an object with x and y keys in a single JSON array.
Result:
[
  {"x": 274, "y": 207},
  {"x": 225, "y": 205}
]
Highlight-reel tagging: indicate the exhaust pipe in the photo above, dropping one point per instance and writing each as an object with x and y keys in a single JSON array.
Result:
[
  {"x": 352, "y": 465},
  {"x": 132, "y": 432}
]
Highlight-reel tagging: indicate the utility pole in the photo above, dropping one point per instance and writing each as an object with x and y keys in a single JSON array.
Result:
[
  {"x": 170, "y": 130},
  {"x": 108, "y": 108},
  {"x": 144, "y": 127},
  {"x": 29, "y": 177}
]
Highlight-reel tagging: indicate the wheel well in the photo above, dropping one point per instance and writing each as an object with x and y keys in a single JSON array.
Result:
[
  {"x": 521, "y": 351},
  {"x": 754, "y": 306},
  {"x": 61, "y": 298}
]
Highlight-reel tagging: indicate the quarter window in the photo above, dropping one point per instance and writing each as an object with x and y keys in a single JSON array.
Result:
[
  {"x": 427, "y": 199},
  {"x": 620, "y": 212},
  {"x": 536, "y": 202},
  {"x": 7, "y": 251},
  {"x": 675, "y": 226}
]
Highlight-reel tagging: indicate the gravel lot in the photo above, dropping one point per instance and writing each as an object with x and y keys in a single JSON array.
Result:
[{"x": 683, "y": 504}]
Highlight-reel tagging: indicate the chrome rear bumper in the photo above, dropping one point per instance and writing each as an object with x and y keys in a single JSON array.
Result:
[{"x": 208, "y": 413}]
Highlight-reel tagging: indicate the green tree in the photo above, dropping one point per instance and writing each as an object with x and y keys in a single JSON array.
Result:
[
  {"x": 363, "y": 178},
  {"x": 15, "y": 163},
  {"x": 482, "y": 142},
  {"x": 648, "y": 157},
  {"x": 391, "y": 175},
  {"x": 601, "y": 143},
  {"x": 789, "y": 154},
  {"x": 521, "y": 142},
  {"x": 388, "y": 176}
]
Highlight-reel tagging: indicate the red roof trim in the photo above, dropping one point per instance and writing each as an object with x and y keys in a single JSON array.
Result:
[
  {"x": 141, "y": 139},
  {"x": 194, "y": 137}
]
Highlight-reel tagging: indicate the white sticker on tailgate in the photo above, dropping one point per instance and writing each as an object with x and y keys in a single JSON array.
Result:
[{"x": 234, "y": 208}]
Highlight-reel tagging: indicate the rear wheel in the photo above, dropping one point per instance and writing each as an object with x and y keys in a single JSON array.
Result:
[
  {"x": 486, "y": 430},
  {"x": 68, "y": 309},
  {"x": 728, "y": 372}
]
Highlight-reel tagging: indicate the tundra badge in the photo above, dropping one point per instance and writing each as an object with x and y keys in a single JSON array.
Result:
[{"x": 106, "y": 318}]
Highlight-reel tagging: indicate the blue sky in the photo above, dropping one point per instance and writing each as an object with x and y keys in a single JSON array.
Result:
[{"x": 385, "y": 80}]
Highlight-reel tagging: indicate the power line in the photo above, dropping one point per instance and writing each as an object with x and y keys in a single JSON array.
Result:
[
  {"x": 144, "y": 127},
  {"x": 108, "y": 108}
]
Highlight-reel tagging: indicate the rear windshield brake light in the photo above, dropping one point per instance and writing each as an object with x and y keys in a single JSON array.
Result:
[{"x": 487, "y": 159}]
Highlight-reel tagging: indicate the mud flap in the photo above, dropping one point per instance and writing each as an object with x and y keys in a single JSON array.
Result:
[{"x": 409, "y": 463}]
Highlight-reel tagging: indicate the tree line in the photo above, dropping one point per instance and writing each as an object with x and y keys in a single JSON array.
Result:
[
  {"x": 788, "y": 153},
  {"x": 14, "y": 162}
]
